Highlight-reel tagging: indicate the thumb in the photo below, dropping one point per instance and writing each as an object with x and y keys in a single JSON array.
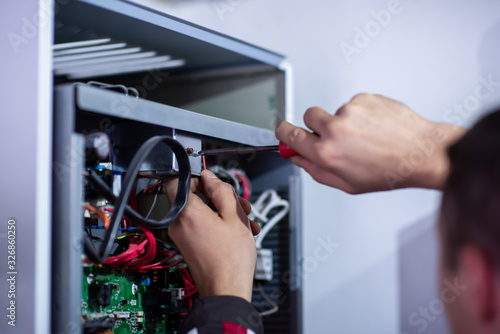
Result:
[{"x": 221, "y": 194}]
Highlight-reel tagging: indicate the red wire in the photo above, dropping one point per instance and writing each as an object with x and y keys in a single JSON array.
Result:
[
  {"x": 192, "y": 293},
  {"x": 204, "y": 162},
  {"x": 136, "y": 246},
  {"x": 132, "y": 202},
  {"x": 148, "y": 189},
  {"x": 137, "y": 256},
  {"x": 150, "y": 253},
  {"x": 186, "y": 272},
  {"x": 149, "y": 266},
  {"x": 136, "y": 249},
  {"x": 132, "y": 198},
  {"x": 169, "y": 266},
  {"x": 246, "y": 184},
  {"x": 188, "y": 282},
  {"x": 111, "y": 210}
]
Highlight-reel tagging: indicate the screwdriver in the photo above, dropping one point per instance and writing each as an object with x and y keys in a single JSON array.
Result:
[{"x": 285, "y": 151}]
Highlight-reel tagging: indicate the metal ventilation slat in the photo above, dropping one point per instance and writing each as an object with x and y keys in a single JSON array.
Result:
[{"x": 105, "y": 57}]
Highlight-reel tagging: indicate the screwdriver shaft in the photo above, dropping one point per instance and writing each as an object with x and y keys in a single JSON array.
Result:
[{"x": 239, "y": 150}]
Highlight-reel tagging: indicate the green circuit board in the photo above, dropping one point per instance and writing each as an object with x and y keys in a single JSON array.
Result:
[{"x": 121, "y": 296}]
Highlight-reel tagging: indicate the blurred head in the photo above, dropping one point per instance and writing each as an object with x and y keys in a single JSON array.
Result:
[{"x": 470, "y": 230}]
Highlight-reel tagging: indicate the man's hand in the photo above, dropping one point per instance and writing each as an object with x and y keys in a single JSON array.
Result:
[
  {"x": 372, "y": 143},
  {"x": 217, "y": 244}
]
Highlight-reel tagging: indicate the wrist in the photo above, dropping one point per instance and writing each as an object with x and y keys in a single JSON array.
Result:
[
  {"x": 434, "y": 171},
  {"x": 235, "y": 289}
]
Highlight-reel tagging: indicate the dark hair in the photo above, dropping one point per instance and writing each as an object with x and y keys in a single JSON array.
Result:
[{"x": 470, "y": 210}]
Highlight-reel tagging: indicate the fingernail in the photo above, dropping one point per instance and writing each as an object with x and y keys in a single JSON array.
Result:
[
  {"x": 282, "y": 123},
  {"x": 207, "y": 173}
]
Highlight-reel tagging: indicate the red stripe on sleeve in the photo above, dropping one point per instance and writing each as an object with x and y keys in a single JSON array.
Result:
[{"x": 230, "y": 328}]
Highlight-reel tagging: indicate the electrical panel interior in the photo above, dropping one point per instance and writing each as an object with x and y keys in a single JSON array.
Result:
[{"x": 134, "y": 102}]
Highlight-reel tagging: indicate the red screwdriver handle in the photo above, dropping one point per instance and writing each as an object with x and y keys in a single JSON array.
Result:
[{"x": 286, "y": 152}]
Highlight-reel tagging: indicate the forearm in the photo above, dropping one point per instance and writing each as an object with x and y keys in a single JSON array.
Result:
[{"x": 433, "y": 171}]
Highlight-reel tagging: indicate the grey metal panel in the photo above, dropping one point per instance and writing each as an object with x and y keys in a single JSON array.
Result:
[
  {"x": 194, "y": 141},
  {"x": 201, "y": 48},
  {"x": 25, "y": 131},
  {"x": 189, "y": 29},
  {"x": 69, "y": 161},
  {"x": 233, "y": 94},
  {"x": 161, "y": 158},
  {"x": 118, "y": 105},
  {"x": 161, "y": 161}
]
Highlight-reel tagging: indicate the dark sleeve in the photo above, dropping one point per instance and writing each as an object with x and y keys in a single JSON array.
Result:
[{"x": 222, "y": 315}]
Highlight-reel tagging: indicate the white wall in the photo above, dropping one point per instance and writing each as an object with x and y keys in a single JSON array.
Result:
[{"x": 431, "y": 56}]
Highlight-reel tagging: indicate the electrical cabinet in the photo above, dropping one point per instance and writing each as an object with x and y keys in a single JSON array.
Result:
[{"x": 124, "y": 74}]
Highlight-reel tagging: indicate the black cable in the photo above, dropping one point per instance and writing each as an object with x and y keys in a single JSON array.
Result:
[
  {"x": 105, "y": 191},
  {"x": 120, "y": 203},
  {"x": 90, "y": 250}
]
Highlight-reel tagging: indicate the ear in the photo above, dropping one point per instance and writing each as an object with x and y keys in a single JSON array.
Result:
[{"x": 482, "y": 287}]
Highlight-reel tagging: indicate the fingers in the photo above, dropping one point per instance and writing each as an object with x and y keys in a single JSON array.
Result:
[
  {"x": 321, "y": 175},
  {"x": 364, "y": 98},
  {"x": 246, "y": 208},
  {"x": 297, "y": 138},
  {"x": 317, "y": 120},
  {"x": 172, "y": 184},
  {"x": 245, "y": 205},
  {"x": 211, "y": 196},
  {"x": 196, "y": 207},
  {"x": 254, "y": 227},
  {"x": 342, "y": 110},
  {"x": 221, "y": 194}
]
